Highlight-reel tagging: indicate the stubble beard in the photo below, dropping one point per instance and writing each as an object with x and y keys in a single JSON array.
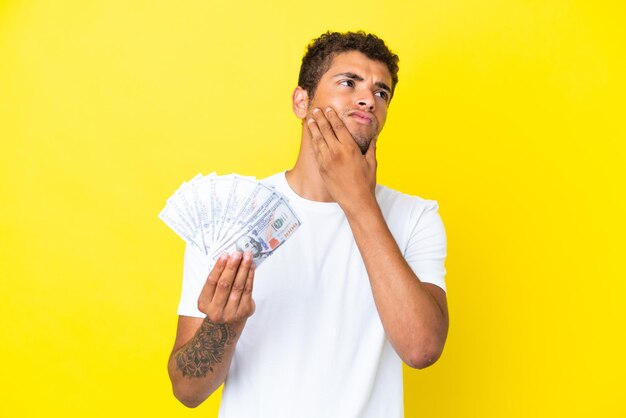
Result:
[{"x": 362, "y": 140}]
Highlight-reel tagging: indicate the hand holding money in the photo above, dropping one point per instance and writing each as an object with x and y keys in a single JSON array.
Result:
[{"x": 226, "y": 297}]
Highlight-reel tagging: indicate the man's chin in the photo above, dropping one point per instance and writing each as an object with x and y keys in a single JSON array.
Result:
[
  {"x": 362, "y": 142},
  {"x": 361, "y": 136}
]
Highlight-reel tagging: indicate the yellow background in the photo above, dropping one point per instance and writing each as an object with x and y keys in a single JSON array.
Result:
[{"x": 509, "y": 113}]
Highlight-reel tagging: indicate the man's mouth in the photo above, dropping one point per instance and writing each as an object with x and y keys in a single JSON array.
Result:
[{"x": 361, "y": 117}]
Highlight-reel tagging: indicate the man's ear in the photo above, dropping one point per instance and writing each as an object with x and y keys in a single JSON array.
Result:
[{"x": 300, "y": 102}]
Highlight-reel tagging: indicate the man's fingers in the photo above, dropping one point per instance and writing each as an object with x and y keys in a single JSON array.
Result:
[
  {"x": 237, "y": 289},
  {"x": 325, "y": 128},
  {"x": 321, "y": 147},
  {"x": 206, "y": 296},
  {"x": 339, "y": 128},
  {"x": 246, "y": 305},
  {"x": 225, "y": 282}
]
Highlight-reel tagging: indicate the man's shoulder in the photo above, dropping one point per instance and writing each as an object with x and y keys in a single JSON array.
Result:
[
  {"x": 405, "y": 214},
  {"x": 391, "y": 199}
]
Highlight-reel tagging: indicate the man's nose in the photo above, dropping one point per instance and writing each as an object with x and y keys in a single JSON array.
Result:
[{"x": 366, "y": 100}]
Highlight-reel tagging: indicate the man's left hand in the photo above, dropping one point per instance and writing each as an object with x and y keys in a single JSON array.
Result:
[{"x": 349, "y": 175}]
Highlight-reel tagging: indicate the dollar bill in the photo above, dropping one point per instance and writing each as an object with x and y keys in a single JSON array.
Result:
[
  {"x": 230, "y": 213},
  {"x": 263, "y": 236}
]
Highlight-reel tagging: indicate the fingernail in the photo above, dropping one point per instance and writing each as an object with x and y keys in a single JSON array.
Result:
[
  {"x": 224, "y": 256},
  {"x": 316, "y": 110},
  {"x": 310, "y": 121},
  {"x": 328, "y": 109}
]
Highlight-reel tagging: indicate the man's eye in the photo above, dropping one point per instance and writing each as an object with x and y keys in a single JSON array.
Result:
[
  {"x": 348, "y": 83},
  {"x": 383, "y": 95}
]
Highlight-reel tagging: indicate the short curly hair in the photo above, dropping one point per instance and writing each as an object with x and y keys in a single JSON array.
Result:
[{"x": 321, "y": 51}]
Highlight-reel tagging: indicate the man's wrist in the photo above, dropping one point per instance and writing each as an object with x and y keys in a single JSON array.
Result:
[{"x": 362, "y": 211}]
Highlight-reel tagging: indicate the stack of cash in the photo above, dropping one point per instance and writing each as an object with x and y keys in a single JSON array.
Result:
[{"x": 230, "y": 213}]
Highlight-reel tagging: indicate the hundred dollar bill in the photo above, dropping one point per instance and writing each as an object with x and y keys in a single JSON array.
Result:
[
  {"x": 228, "y": 213},
  {"x": 259, "y": 199},
  {"x": 241, "y": 188},
  {"x": 220, "y": 187},
  {"x": 265, "y": 235},
  {"x": 184, "y": 200},
  {"x": 201, "y": 193},
  {"x": 177, "y": 217}
]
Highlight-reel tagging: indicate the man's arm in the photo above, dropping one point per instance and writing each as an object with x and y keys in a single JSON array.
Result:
[
  {"x": 414, "y": 314},
  {"x": 204, "y": 348}
]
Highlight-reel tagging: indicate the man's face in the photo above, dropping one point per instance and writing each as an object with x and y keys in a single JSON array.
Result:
[{"x": 359, "y": 89}]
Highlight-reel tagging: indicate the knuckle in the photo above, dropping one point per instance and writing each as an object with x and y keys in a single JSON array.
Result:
[
  {"x": 215, "y": 273},
  {"x": 247, "y": 311},
  {"x": 224, "y": 284},
  {"x": 232, "y": 316},
  {"x": 202, "y": 306},
  {"x": 242, "y": 312},
  {"x": 338, "y": 125},
  {"x": 215, "y": 315}
]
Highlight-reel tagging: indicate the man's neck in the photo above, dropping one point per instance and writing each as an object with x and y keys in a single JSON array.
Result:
[{"x": 304, "y": 178}]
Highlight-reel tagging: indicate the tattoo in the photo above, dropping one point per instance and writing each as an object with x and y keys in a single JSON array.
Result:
[{"x": 205, "y": 349}]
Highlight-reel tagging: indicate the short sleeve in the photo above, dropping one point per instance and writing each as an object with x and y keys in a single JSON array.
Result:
[
  {"x": 196, "y": 269},
  {"x": 427, "y": 245}
]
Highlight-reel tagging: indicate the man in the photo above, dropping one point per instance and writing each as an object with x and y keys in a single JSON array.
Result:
[{"x": 358, "y": 289}]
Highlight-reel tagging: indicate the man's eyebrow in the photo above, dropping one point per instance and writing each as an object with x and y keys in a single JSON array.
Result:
[
  {"x": 349, "y": 75},
  {"x": 382, "y": 85},
  {"x": 357, "y": 77}
]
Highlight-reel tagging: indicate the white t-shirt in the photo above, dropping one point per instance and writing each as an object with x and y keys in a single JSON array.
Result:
[{"x": 315, "y": 346}]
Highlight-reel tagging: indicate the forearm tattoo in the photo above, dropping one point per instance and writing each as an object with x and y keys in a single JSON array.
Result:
[{"x": 205, "y": 349}]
